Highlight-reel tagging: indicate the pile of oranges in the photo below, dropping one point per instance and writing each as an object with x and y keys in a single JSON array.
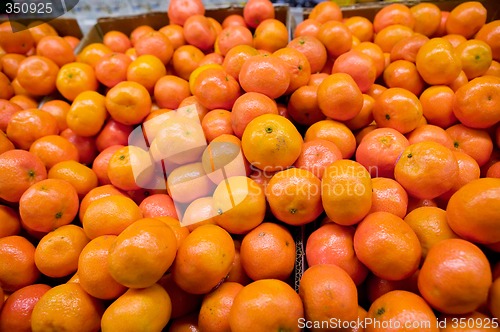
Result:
[{"x": 381, "y": 138}]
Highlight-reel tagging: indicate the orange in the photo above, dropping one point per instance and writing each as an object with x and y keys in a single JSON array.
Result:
[
  {"x": 217, "y": 122},
  {"x": 387, "y": 246},
  {"x": 379, "y": 150},
  {"x": 474, "y": 321},
  {"x": 407, "y": 48},
  {"x": 298, "y": 66},
  {"x": 433, "y": 133},
  {"x": 313, "y": 49},
  {"x": 232, "y": 20},
  {"x": 403, "y": 74},
  {"x": 476, "y": 143},
  {"x": 155, "y": 43},
  {"x": 5, "y": 143},
  {"x": 194, "y": 269},
  {"x": 37, "y": 75},
  {"x": 455, "y": 39},
  {"x": 199, "y": 32},
  {"x": 52, "y": 149},
  {"x": 247, "y": 107},
  {"x": 475, "y": 102},
  {"x": 493, "y": 298},
  {"x": 179, "y": 11},
  {"x": 128, "y": 102},
  {"x": 137, "y": 308},
  {"x": 185, "y": 60},
  {"x": 376, "y": 287},
  {"x": 375, "y": 52},
  {"x": 271, "y": 142},
  {"x": 401, "y": 308},
  {"x": 393, "y": 14},
  {"x": 389, "y": 196},
  {"x": 7, "y": 109},
  {"x": 18, "y": 267},
  {"x": 129, "y": 168},
  {"x": 494, "y": 69},
  {"x": 158, "y": 205},
  {"x": 493, "y": 171},
  {"x": 268, "y": 242},
  {"x": 215, "y": 88},
  {"x": 265, "y": 74},
  {"x": 180, "y": 231},
  {"x": 430, "y": 225},
  {"x": 96, "y": 193},
  {"x": 27, "y": 126},
  {"x": 308, "y": 27},
  {"x": 256, "y": 11},
  {"x": 10, "y": 221},
  {"x": 399, "y": 109},
  {"x": 59, "y": 109},
  {"x": 15, "y": 38},
  {"x": 20, "y": 169},
  {"x": 466, "y": 19},
  {"x": 93, "y": 273},
  {"x": 270, "y": 35},
  {"x": 91, "y": 53},
  {"x": 170, "y": 90},
  {"x": 237, "y": 272},
  {"x": 116, "y": 41},
  {"x": 361, "y": 27},
  {"x": 476, "y": 57},
  {"x": 451, "y": 290},
  {"x": 7, "y": 87},
  {"x": 266, "y": 305},
  {"x": 56, "y": 255},
  {"x": 109, "y": 215},
  {"x": 81, "y": 177},
  {"x": 215, "y": 308},
  {"x": 339, "y": 97},
  {"x": 323, "y": 12},
  {"x": 489, "y": 34},
  {"x": 74, "y": 78},
  {"x": 346, "y": 192},
  {"x": 459, "y": 81},
  {"x": 175, "y": 34},
  {"x": 468, "y": 170},
  {"x": 17, "y": 309},
  {"x": 56, "y": 49},
  {"x": 316, "y": 155},
  {"x": 480, "y": 226},
  {"x": 199, "y": 212},
  {"x": 113, "y": 133},
  {"x": 87, "y": 113},
  {"x": 235, "y": 58},
  {"x": 146, "y": 70},
  {"x": 138, "y": 32},
  {"x": 39, "y": 30},
  {"x": 186, "y": 323},
  {"x": 73, "y": 41},
  {"x": 328, "y": 294},
  {"x": 294, "y": 196},
  {"x": 111, "y": 69},
  {"x": 427, "y": 18},
  {"x": 190, "y": 104},
  {"x": 10, "y": 64},
  {"x": 426, "y": 169},
  {"x": 389, "y": 36},
  {"x": 66, "y": 307},
  {"x": 240, "y": 204},
  {"x": 59, "y": 199},
  {"x": 233, "y": 36},
  {"x": 183, "y": 303},
  {"x": 142, "y": 253},
  {"x": 438, "y": 62},
  {"x": 437, "y": 105},
  {"x": 333, "y": 244},
  {"x": 182, "y": 178},
  {"x": 334, "y": 131},
  {"x": 336, "y": 37},
  {"x": 303, "y": 107},
  {"x": 360, "y": 66}
]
